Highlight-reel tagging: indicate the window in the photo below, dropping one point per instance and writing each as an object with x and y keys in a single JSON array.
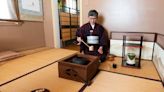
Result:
[
  {"x": 69, "y": 5},
  {"x": 8, "y": 10},
  {"x": 72, "y": 5}
]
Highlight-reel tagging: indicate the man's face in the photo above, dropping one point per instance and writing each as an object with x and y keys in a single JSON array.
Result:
[{"x": 92, "y": 19}]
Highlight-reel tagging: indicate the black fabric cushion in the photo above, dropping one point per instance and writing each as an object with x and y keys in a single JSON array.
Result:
[{"x": 80, "y": 60}]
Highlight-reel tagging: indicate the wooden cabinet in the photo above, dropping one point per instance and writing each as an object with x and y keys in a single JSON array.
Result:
[
  {"x": 68, "y": 34},
  {"x": 75, "y": 71},
  {"x": 68, "y": 26},
  {"x": 65, "y": 33},
  {"x": 73, "y": 33}
]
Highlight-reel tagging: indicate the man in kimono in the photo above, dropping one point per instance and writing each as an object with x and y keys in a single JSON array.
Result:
[{"x": 94, "y": 35}]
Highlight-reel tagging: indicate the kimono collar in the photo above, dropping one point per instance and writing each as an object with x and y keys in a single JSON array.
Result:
[{"x": 92, "y": 27}]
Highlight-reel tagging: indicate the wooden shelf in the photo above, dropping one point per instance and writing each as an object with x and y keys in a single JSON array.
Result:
[
  {"x": 133, "y": 45},
  {"x": 138, "y": 45},
  {"x": 69, "y": 23}
]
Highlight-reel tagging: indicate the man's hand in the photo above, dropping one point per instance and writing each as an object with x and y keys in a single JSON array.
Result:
[
  {"x": 82, "y": 52},
  {"x": 100, "y": 50},
  {"x": 79, "y": 39}
]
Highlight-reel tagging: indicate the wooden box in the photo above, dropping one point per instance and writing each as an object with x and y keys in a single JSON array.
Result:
[{"x": 77, "y": 72}]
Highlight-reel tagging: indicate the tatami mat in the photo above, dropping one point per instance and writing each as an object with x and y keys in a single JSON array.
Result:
[
  {"x": 23, "y": 65},
  {"x": 147, "y": 69},
  {"x": 47, "y": 77},
  {"x": 112, "y": 82},
  {"x": 43, "y": 78}
]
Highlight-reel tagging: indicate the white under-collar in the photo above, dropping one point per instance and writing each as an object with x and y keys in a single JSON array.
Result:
[{"x": 93, "y": 26}]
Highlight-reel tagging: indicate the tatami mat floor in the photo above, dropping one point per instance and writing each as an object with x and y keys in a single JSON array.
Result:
[
  {"x": 23, "y": 65},
  {"x": 43, "y": 78},
  {"x": 47, "y": 77},
  {"x": 103, "y": 82},
  {"x": 112, "y": 82},
  {"x": 147, "y": 70}
]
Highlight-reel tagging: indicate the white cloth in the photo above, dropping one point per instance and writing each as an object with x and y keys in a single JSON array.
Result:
[
  {"x": 93, "y": 26},
  {"x": 92, "y": 39}
]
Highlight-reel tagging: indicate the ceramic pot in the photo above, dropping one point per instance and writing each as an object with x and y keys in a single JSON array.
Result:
[{"x": 131, "y": 58}]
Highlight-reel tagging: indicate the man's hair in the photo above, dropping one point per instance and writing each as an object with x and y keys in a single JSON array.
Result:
[{"x": 93, "y": 13}]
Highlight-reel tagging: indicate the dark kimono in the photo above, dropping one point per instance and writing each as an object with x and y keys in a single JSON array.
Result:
[{"x": 99, "y": 31}]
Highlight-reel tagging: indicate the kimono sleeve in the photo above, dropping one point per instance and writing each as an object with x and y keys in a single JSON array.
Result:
[
  {"x": 80, "y": 34},
  {"x": 103, "y": 37}
]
